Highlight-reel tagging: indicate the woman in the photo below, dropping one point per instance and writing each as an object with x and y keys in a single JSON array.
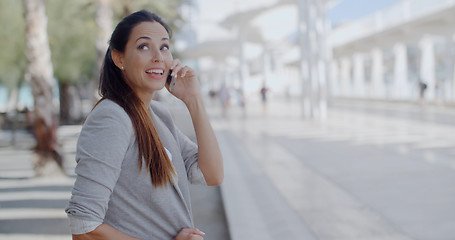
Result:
[{"x": 133, "y": 164}]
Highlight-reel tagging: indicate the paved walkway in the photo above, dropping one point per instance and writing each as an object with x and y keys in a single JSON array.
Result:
[
  {"x": 370, "y": 171},
  {"x": 33, "y": 208}
]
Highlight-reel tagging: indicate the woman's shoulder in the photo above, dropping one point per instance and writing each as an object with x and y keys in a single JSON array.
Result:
[
  {"x": 160, "y": 110},
  {"x": 107, "y": 106},
  {"x": 108, "y": 109}
]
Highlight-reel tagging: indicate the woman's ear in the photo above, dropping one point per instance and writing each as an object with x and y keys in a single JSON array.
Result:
[{"x": 117, "y": 57}]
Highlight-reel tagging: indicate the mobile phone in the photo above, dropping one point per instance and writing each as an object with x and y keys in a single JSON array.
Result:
[
  {"x": 170, "y": 80},
  {"x": 169, "y": 77}
]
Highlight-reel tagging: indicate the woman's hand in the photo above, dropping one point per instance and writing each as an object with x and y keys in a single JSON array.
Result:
[
  {"x": 186, "y": 83},
  {"x": 104, "y": 231},
  {"x": 190, "y": 234}
]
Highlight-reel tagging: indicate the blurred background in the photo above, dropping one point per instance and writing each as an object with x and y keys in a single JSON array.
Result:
[{"x": 336, "y": 118}]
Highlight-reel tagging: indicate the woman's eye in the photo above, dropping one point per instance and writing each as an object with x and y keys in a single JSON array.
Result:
[
  {"x": 165, "y": 47},
  {"x": 143, "y": 47}
]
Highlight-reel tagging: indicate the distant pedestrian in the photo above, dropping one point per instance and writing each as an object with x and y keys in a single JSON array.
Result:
[
  {"x": 437, "y": 92},
  {"x": 225, "y": 97},
  {"x": 133, "y": 164},
  {"x": 422, "y": 88},
  {"x": 264, "y": 91}
]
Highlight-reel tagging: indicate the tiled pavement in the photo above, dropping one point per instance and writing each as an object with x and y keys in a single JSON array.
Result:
[{"x": 370, "y": 171}]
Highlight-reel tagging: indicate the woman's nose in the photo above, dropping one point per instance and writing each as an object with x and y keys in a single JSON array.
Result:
[{"x": 157, "y": 56}]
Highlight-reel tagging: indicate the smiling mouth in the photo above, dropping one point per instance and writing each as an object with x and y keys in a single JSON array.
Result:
[{"x": 156, "y": 71}]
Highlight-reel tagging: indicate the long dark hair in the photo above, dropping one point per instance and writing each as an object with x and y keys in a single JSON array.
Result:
[{"x": 114, "y": 87}]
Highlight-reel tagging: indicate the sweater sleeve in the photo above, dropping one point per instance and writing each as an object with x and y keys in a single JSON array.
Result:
[
  {"x": 189, "y": 151},
  {"x": 102, "y": 145}
]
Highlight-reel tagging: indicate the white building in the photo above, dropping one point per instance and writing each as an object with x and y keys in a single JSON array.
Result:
[
  {"x": 386, "y": 55},
  {"x": 382, "y": 56}
]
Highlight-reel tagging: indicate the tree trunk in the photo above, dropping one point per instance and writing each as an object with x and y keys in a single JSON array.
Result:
[
  {"x": 70, "y": 104},
  {"x": 65, "y": 106},
  {"x": 103, "y": 19},
  {"x": 40, "y": 74}
]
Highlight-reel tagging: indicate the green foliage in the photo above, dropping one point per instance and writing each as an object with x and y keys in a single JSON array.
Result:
[
  {"x": 12, "y": 41},
  {"x": 72, "y": 33},
  {"x": 166, "y": 9}
]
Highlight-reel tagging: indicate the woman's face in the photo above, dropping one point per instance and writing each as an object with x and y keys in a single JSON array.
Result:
[{"x": 147, "y": 59}]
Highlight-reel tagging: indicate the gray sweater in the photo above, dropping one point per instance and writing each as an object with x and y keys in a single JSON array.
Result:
[{"x": 109, "y": 187}]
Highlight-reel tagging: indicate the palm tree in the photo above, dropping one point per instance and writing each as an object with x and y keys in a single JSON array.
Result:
[
  {"x": 40, "y": 75},
  {"x": 72, "y": 32},
  {"x": 104, "y": 21}
]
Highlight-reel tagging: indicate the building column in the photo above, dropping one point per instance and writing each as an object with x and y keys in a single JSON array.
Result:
[
  {"x": 305, "y": 57},
  {"x": 450, "y": 92},
  {"x": 399, "y": 90},
  {"x": 377, "y": 73},
  {"x": 359, "y": 75},
  {"x": 345, "y": 80},
  {"x": 336, "y": 78},
  {"x": 427, "y": 66},
  {"x": 243, "y": 63},
  {"x": 266, "y": 69},
  {"x": 322, "y": 57}
]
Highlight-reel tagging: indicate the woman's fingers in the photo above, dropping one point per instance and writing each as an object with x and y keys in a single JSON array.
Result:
[
  {"x": 179, "y": 70},
  {"x": 175, "y": 62},
  {"x": 176, "y": 67},
  {"x": 184, "y": 83},
  {"x": 183, "y": 72},
  {"x": 196, "y": 237},
  {"x": 198, "y": 232},
  {"x": 190, "y": 234}
]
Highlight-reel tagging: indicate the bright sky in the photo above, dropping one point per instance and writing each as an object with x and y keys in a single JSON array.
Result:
[
  {"x": 353, "y": 9},
  {"x": 211, "y": 12},
  {"x": 344, "y": 10},
  {"x": 279, "y": 21},
  {"x": 219, "y": 9},
  {"x": 275, "y": 24}
]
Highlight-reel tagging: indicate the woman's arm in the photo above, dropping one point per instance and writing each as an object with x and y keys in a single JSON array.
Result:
[
  {"x": 102, "y": 232},
  {"x": 102, "y": 145},
  {"x": 187, "y": 89},
  {"x": 209, "y": 155}
]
